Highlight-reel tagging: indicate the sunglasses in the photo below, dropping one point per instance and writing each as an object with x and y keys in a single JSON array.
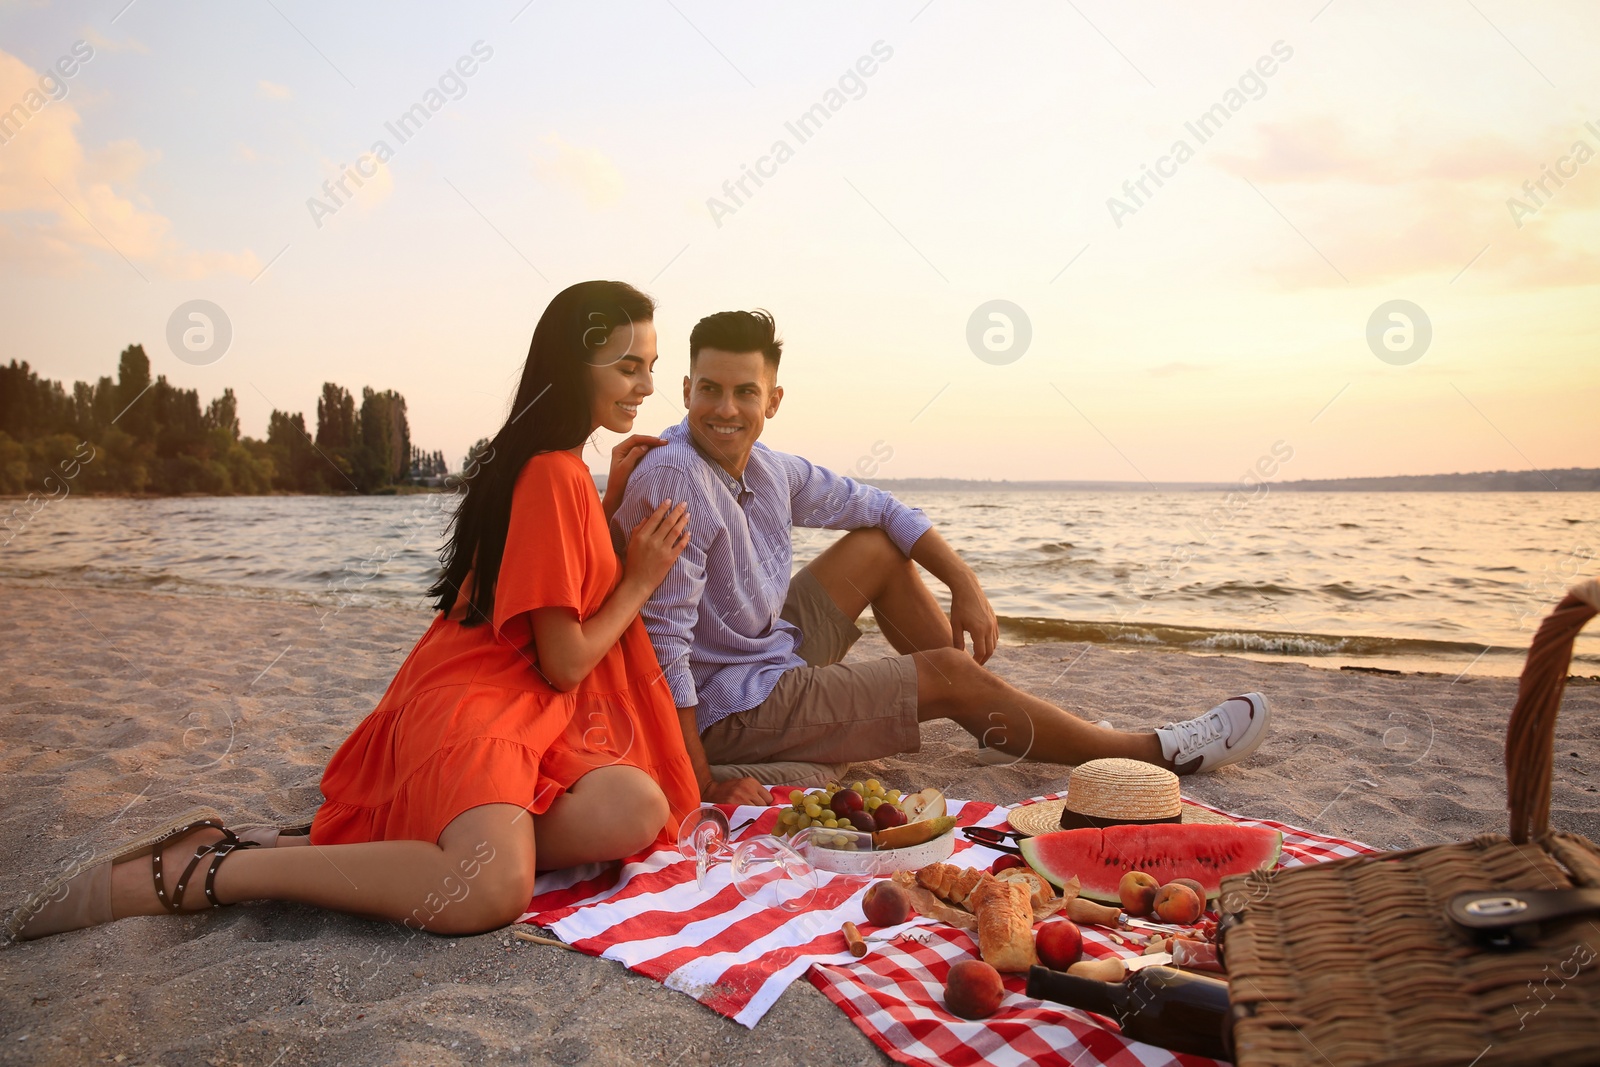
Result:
[{"x": 989, "y": 837}]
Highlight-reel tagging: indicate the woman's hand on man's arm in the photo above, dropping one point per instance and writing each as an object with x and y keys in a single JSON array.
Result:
[{"x": 568, "y": 648}]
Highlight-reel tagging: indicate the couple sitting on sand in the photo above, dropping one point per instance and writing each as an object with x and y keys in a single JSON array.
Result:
[{"x": 574, "y": 700}]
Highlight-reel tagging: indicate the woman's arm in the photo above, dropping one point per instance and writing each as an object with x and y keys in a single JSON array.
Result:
[{"x": 568, "y": 649}]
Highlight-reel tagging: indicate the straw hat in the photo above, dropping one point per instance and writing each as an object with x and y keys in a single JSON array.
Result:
[{"x": 1112, "y": 792}]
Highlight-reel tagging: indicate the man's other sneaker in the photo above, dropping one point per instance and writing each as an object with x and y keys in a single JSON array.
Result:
[{"x": 1226, "y": 734}]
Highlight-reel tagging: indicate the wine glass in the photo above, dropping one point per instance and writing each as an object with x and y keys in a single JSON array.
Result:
[
  {"x": 704, "y": 837},
  {"x": 771, "y": 874},
  {"x": 774, "y": 873},
  {"x": 767, "y": 870}
]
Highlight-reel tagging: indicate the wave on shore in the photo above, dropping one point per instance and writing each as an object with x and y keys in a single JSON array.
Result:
[{"x": 1261, "y": 642}]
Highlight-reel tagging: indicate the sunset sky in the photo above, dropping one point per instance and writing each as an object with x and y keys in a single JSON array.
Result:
[{"x": 1355, "y": 154}]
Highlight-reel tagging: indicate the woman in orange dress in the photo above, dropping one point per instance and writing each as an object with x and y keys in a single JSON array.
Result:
[{"x": 530, "y": 728}]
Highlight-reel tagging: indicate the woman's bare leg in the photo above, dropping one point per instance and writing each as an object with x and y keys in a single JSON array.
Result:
[
  {"x": 609, "y": 813},
  {"x": 478, "y": 877}
]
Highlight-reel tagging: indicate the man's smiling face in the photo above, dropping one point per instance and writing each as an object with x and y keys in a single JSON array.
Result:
[{"x": 730, "y": 397}]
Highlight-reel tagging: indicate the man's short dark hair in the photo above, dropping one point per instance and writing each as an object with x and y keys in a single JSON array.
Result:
[{"x": 738, "y": 331}]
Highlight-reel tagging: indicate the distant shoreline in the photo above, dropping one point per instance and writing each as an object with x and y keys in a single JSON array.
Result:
[{"x": 1570, "y": 480}]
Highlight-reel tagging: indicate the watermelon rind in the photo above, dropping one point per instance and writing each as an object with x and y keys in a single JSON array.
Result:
[{"x": 1165, "y": 851}]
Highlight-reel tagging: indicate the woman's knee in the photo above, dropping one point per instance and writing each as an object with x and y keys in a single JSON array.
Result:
[
  {"x": 482, "y": 894},
  {"x": 639, "y": 805},
  {"x": 487, "y": 871}
]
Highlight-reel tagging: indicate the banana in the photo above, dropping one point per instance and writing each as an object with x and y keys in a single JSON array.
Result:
[{"x": 913, "y": 833}]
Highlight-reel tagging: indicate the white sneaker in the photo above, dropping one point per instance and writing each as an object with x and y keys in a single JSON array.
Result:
[{"x": 1226, "y": 734}]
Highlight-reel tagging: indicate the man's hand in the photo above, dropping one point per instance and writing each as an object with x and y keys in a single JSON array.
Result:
[
  {"x": 737, "y": 791},
  {"x": 970, "y": 613}
]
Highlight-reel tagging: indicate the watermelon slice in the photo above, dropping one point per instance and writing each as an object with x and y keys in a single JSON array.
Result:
[{"x": 1099, "y": 858}]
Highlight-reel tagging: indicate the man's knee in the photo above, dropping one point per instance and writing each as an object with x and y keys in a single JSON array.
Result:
[
  {"x": 948, "y": 682},
  {"x": 871, "y": 548}
]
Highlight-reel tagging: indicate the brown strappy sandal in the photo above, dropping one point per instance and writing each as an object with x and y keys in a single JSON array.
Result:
[
  {"x": 81, "y": 897},
  {"x": 217, "y": 850}
]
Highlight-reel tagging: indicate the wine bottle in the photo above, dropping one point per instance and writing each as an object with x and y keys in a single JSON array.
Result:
[{"x": 1156, "y": 1005}]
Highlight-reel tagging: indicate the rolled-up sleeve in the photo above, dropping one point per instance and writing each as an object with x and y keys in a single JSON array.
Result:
[
  {"x": 820, "y": 498},
  {"x": 672, "y": 610}
]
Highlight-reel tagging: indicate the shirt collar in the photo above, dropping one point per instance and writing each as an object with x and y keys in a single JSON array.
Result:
[{"x": 736, "y": 486}]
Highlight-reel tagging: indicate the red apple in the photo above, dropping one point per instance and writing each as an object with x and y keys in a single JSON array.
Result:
[{"x": 888, "y": 816}]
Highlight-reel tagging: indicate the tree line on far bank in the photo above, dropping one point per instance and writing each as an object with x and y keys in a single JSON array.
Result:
[{"x": 134, "y": 435}]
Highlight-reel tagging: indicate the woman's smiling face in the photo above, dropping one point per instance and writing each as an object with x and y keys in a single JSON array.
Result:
[{"x": 621, "y": 373}]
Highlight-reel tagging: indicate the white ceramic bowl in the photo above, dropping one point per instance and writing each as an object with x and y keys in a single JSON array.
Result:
[{"x": 910, "y": 858}]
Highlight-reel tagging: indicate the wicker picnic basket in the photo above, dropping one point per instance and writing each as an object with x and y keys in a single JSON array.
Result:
[{"x": 1356, "y": 962}]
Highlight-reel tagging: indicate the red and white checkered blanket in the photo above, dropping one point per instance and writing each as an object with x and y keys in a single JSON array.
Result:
[{"x": 737, "y": 958}]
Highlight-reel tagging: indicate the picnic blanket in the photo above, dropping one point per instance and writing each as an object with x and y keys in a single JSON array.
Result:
[{"x": 737, "y": 958}]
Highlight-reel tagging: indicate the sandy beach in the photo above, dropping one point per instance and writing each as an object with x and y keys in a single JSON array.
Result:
[{"x": 121, "y": 708}]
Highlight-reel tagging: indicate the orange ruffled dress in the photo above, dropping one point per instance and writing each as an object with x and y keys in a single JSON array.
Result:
[{"x": 469, "y": 719}]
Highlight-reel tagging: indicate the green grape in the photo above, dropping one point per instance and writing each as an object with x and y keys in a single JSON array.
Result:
[
  {"x": 846, "y": 824},
  {"x": 830, "y": 823},
  {"x": 858, "y": 786},
  {"x": 874, "y": 803},
  {"x": 805, "y": 821},
  {"x": 796, "y": 796},
  {"x": 874, "y": 787},
  {"x": 894, "y": 796}
]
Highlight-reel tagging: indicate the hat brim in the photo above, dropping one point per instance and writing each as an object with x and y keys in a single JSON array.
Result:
[{"x": 1032, "y": 820}]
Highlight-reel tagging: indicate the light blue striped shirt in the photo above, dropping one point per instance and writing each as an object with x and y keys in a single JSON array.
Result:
[{"x": 714, "y": 620}]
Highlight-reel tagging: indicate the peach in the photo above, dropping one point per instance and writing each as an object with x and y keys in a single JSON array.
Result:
[
  {"x": 1059, "y": 944},
  {"x": 1199, "y": 890},
  {"x": 886, "y": 904},
  {"x": 1177, "y": 903},
  {"x": 1137, "y": 891},
  {"x": 973, "y": 990}
]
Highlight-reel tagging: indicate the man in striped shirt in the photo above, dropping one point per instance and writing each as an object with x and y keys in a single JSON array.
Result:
[{"x": 754, "y": 658}]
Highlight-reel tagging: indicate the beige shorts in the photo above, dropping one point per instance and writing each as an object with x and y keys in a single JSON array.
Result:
[{"x": 826, "y": 711}]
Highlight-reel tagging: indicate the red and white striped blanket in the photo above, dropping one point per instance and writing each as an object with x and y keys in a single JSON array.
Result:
[{"x": 737, "y": 958}]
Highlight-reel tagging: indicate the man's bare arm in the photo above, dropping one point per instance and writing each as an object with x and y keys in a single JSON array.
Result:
[
  {"x": 732, "y": 791},
  {"x": 970, "y": 612}
]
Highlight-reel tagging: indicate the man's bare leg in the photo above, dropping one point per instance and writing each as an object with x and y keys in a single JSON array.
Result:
[
  {"x": 952, "y": 685},
  {"x": 864, "y": 569}
]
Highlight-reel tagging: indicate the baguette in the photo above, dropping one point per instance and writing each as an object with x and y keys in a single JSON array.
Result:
[{"x": 1005, "y": 925}]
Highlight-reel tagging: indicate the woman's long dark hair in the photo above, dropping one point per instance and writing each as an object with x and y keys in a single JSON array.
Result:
[{"x": 551, "y": 411}]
